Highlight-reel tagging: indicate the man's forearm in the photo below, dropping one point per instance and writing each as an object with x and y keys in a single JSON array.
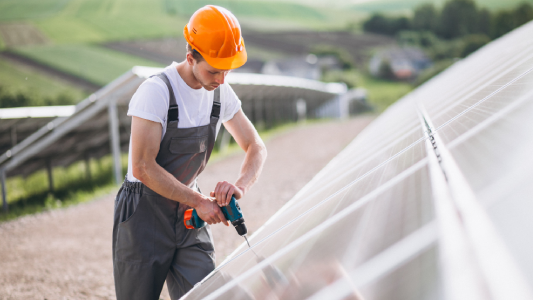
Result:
[
  {"x": 166, "y": 185},
  {"x": 252, "y": 166}
]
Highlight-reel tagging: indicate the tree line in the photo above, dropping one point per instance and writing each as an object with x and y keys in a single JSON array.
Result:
[{"x": 456, "y": 19}]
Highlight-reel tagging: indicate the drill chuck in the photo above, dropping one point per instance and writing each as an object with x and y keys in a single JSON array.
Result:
[{"x": 240, "y": 226}]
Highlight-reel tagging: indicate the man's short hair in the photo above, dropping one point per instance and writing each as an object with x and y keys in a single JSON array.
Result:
[{"x": 195, "y": 54}]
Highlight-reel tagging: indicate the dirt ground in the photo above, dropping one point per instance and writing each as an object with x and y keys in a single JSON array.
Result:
[{"x": 66, "y": 253}]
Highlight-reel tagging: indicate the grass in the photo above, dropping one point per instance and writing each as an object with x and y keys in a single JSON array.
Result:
[
  {"x": 382, "y": 93},
  {"x": 95, "y": 64},
  {"x": 51, "y": 202},
  {"x": 264, "y": 9},
  {"x": 276, "y": 15},
  {"x": 17, "y": 79},
  {"x": 95, "y": 21},
  {"x": 31, "y": 195},
  {"x": 11, "y": 10}
]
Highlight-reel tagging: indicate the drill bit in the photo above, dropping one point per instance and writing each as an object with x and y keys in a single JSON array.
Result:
[
  {"x": 247, "y": 241},
  {"x": 244, "y": 236}
]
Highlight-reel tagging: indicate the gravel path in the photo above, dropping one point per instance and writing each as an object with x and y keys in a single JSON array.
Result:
[{"x": 66, "y": 253}]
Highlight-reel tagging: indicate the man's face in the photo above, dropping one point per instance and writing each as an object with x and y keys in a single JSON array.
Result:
[{"x": 210, "y": 78}]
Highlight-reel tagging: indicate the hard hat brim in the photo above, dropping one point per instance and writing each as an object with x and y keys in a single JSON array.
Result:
[{"x": 229, "y": 63}]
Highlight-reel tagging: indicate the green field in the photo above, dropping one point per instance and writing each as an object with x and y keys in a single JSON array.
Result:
[
  {"x": 16, "y": 79},
  {"x": 66, "y": 21},
  {"x": 95, "y": 64},
  {"x": 111, "y": 20},
  {"x": 382, "y": 93},
  {"x": 94, "y": 20},
  {"x": 269, "y": 9}
]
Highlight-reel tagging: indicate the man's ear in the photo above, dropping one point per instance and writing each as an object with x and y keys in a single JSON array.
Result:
[{"x": 190, "y": 59}]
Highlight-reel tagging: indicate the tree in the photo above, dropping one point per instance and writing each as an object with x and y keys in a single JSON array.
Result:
[
  {"x": 425, "y": 18},
  {"x": 484, "y": 22},
  {"x": 523, "y": 14},
  {"x": 385, "y": 69},
  {"x": 473, "y": 42},
  {"x": 502, "y": 23},
  {"x": 505, "y": 21},
  {"x": 400, "y": 24},
  {"x": 377, "y": 24},
  {"x": 417, "y": 38},
  {"x": 381, "y": 24},
  {"x": 458, "y": 18}
]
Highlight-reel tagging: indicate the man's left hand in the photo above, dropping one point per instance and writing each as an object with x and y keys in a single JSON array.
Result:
[{"x": 223, "y": 192}]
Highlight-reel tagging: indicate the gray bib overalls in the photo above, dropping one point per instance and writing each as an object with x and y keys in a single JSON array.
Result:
[{"x": 150, "y": 241}]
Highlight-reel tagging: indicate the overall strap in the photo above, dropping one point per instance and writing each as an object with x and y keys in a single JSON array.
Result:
[
  {"x": 173, "y": 112},
  {"x": 215, "y": 111}
]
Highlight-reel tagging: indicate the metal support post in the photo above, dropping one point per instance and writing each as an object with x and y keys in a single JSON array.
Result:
[
  {"x": 115, "y": 140},
  {"x": 50, "y": 175},
  {"x": 87, "y": 167},
  {"x": 253, "y": 113},
  {"x": 259, "y": 107},
  {"x": 344, "y": 107},
  {"x": 13, "y": 136},
  {"x": 301, "y": 110},
  {"x": 4, "y": 191}
]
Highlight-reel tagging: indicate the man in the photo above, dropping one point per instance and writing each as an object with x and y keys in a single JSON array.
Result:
[{"x": 176, "y": 117}]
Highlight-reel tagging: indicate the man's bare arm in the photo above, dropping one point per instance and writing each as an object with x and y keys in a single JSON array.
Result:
[
  {"x": 145, "y": 141},
  {"x": 248, "y": 139}
]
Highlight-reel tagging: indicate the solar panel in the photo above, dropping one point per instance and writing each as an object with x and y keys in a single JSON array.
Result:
[
  {"x": 61, "y": 135},
  {"x": 431, "y": 201}
]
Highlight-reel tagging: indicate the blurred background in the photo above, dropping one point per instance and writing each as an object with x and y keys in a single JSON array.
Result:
[{"x": 58, "y": 52}]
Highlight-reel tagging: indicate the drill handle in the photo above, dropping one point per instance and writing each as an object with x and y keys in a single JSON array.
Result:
[{"x": 192, "y": 220}]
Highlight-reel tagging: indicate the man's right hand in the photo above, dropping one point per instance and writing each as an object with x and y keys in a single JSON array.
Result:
[{"x": 209, "y": 211}]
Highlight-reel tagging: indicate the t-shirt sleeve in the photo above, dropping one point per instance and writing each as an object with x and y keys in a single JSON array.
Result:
[
  {"x": 232, "y": 103},
  {"x": 150, "y": 101}
]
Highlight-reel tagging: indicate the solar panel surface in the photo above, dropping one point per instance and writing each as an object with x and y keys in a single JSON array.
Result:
[{"x": 431, "y": 201}]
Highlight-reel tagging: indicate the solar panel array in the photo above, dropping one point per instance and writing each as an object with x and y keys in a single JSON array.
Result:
[
  {"x": 31, "y": 138},
  {"x": 432, "y": 201}
]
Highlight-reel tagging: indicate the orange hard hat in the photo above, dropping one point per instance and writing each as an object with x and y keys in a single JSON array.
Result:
[{"x": 215, "y": 32}]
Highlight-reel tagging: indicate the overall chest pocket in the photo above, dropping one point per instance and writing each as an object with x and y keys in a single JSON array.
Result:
[{"x": 188, "y": 145}]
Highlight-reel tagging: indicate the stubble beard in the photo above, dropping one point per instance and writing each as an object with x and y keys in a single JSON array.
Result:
[{"x": 198, "y": 78}]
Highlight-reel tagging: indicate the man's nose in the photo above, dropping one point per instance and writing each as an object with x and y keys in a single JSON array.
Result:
[{"x": 221, "y": 77}]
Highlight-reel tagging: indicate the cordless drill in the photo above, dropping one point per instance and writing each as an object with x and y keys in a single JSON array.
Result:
[{"x": 232, "y": 212}]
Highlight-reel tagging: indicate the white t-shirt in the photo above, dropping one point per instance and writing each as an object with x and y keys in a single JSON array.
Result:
[{"x": 151, "y": 101}]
